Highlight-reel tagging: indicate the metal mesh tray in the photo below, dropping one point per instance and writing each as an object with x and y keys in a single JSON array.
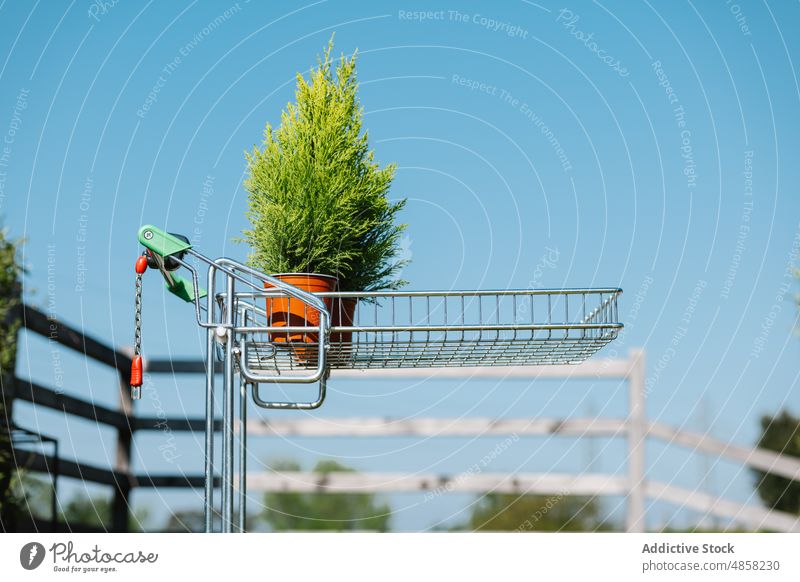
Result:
[{"x": 444, "y": 329}]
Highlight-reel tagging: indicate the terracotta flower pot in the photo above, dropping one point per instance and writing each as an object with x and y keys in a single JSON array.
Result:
[
  {"x": 285, "y": 311},
  {"x": 343, "y": 313}
]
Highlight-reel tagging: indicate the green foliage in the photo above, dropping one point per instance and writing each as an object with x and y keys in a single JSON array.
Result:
[
  {"x": 317, "y": 198},
  {"x": 324, "y": 511},
  {"x": 26, "y": 497},
  {"x": 95, "y": 511},
  {"x": 508, "y": 512},
  {"x": 91, "y": 511},
  {"x": 34, "y": 493},
  {"x": 781, "y": 434},
  {"x": 10, "y": 274},
  {"x": 32, "y": 498},
  {"x": 189, "y": 520}
]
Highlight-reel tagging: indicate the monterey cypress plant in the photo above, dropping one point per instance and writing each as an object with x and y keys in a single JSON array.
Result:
[{"x": 318, "y": 200}]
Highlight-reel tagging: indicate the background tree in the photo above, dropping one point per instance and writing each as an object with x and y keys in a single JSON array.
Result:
[
  {"x": 781, "y": 434},
  {"x": 29, "y": 498},
  {"x": 510, "y": 512},
  {"x": 95, "y": 511},
  {"x": 32, "y": 497},
  {"x": 92, "y": 511},
  {"x": 187, "y": 520},
  {"x": 10, "y": 273},
  {"x": 324, "y": 511}
]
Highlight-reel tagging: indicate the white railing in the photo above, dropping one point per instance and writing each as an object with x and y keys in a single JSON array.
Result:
[{"x": 635, "y": 486}]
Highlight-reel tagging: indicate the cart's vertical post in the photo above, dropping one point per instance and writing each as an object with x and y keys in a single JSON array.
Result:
[
  {"x": 243, "y": 384},
  {"x": 242, "y": 455},
  {"x": 209, "y": 460},
  {"x": 228, "y": 411},
  {"x": 637, "y": 431}
]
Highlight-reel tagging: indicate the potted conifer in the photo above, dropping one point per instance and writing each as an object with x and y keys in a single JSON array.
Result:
[{"x": 318, "y": 207}]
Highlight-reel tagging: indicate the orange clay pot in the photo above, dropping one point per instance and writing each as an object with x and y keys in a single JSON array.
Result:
[
  {"x": 285, "y": 311},
  {"x": 343, "y": 313}
]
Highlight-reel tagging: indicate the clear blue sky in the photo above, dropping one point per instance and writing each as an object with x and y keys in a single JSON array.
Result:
[{"x": 651, "y": 146}]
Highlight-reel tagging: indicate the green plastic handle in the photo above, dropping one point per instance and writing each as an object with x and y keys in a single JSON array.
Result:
[
  {"x": 184, "y": 289},
  {"x": 160, "y": 242},
  {"x": 164, "y": 244}
]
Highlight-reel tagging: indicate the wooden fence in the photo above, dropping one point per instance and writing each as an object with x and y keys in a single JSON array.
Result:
[
  {"x": 119, "y": 477},
  {"x": 635, "y": 428}
]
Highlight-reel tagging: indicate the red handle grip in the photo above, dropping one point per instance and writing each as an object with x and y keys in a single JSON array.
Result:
[
  {"x": 136, "y": 371},
  {"x": 141, "y": 264}
]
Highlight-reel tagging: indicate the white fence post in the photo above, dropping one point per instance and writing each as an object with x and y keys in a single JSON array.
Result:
[{"x": 637, "y": 430}]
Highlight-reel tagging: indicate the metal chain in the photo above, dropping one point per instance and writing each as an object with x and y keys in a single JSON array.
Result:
[
  {"x": 137, "y": 338},
  {"x": 136, "y": 364}
]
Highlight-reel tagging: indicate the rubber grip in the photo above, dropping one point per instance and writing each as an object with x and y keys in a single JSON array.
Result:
[
  {"x": 141, "y": 264},
  {"x": 136, "y": 371}
]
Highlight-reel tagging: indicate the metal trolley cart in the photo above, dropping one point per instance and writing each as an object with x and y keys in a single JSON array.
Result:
[{"x": 397, "y": 329}]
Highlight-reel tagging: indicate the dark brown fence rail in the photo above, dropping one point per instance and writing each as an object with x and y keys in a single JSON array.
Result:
[{"x": 119, "y": 476}]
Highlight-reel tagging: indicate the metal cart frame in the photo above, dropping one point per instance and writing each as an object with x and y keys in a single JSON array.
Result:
[{"x": 395, "y": 329}]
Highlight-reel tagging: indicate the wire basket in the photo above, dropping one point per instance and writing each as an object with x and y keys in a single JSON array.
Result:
[{"x": 443, "y": 329}]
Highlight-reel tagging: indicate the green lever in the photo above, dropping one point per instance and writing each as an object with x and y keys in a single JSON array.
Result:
[
  {"x": 160, "y": 242},
  {"x": 163, "y": 244},
  {"x": 184, "y": 289}
]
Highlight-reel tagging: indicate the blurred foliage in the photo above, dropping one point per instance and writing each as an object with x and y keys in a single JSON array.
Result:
[
  {"x": 324, "y": 511},
  {"x": 779, "y": 433},
  {"x": 189, "y": 520},
  {"x": 95, "y": 511},
  {"x": 33, "y": 499},
  {"x": 92, "y": 511},
  {"x": 27, "y": 497},
  {"x": 548, "y": 513},
  {"x": 11, "y": 272}
]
